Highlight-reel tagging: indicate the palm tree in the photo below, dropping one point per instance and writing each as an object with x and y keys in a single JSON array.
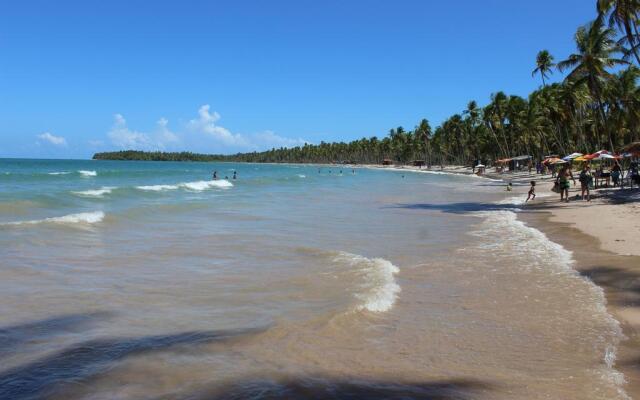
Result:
[
  {"x": 423, "y": 133},
  {"x": 597, "y": 48},
  {"x": 544, "y": 65},
  {"x": 624, "y": 15}
]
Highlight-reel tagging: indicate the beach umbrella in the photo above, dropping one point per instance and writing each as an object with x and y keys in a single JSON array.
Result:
[
  {"x": 572, "y": 156},
  {"x": 551, "y": 160},
  {"x": 604, "y": 156},
  {"x": 580, "y": 159}
]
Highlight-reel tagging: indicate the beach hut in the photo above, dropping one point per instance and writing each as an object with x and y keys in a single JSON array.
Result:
[{"x": 519, "y": 162}]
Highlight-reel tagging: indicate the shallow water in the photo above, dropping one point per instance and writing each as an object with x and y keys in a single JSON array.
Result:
[{"x": 128, "y": 280}]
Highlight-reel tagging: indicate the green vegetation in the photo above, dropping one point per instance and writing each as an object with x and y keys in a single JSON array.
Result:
[{"x": 596, "y": 106}]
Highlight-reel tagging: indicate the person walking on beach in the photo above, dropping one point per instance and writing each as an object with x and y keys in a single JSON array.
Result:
[
  {"x": 532, "y": 192},
  {"x": 615, "y": 173},
  {"x": 585, "y": 180},
  {"x": 563, "y": 182}
]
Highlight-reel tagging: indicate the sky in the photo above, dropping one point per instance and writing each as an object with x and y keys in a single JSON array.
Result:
[{"x": 235, "y": 76}]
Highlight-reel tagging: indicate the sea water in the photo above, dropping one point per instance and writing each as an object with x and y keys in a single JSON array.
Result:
[{"x": 130, "y": 280}]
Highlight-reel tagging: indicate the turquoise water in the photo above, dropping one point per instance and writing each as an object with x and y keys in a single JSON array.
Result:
[{"x": 150, "y": 280}]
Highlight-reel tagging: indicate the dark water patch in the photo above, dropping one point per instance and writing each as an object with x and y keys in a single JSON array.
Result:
[
  {"x": 458, "y": 208},
  {"x": 12, "y": 337},
  {"x": 39, "y": 379},
  {"x": 313, "y": 388}
]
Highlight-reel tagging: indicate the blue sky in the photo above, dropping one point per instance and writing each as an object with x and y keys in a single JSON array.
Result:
[{"x": 229, "y": 76}]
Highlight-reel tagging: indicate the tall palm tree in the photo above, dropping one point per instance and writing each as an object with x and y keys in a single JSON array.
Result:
[
  {"x": 597, "y": 49},
  {"x": 544, "y": 65},
  {"x": 423, "y": 133},
  {"x": 624, "y": 15}
]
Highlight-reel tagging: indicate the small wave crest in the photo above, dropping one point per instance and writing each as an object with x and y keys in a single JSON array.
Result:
[
  {"x": 85, "y": 218},
  {"x": 95, "y": 192},
  {"x": 59, "y": 173},
  {"x": 87, "y": 173},
  {"x": 196, "y": 186},
  {"x": 301, "y": 176},
  {"x": 379, "y": 289}
]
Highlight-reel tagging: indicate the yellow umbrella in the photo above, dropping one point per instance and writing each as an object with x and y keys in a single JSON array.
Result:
[{"x": 581, "y": 158}]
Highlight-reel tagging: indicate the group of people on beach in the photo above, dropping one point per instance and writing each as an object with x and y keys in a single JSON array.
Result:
[
  {"x": 215, "y": 175},
  {"x": 587, "y": 177}
]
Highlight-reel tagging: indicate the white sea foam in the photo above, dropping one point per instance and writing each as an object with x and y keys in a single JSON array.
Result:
[
  {"x": 87, "y": 173},
  {"x": 196, "y": 186},
  {"x": 542, "y": 252},
  {"x": 84, "y": 218},
  {"x": 379, "y": 290},
  {"x": 60, "y": 173},
  {"x": 203, "y": 185},
  {"x": 96, "y": 192},
  {"x": 301, "y": 176},
  {"x": 157, "y": 188}
]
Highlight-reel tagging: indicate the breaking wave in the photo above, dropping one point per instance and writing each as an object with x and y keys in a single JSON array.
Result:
[
  {"x": 85, "y": 218},
  {"x": 196, "y": 186},
  {"x": 379, "y": 289},
  {"x": 95, "y": 192},
  {"x": 59, "y": 173},
  {"x": 87, "y": 173}
]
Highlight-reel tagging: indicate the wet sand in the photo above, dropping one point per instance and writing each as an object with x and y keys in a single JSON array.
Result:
[
  {"x": 618, "y": 275},
  {"x": 604, "y": 236}
]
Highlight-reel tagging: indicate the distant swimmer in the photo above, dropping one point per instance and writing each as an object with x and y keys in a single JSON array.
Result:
[
  {"x": 215, "y": 175},
  {"x": 318, "y": 170},
  {"x": 353, "y": 171},
  {"x": 234, "y": 174},
  {"x": 226, "y": 177}
]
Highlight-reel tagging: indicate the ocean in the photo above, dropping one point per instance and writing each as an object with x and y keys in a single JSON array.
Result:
[{"x": 150, "y": 280}]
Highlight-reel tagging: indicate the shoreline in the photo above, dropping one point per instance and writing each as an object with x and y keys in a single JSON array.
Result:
[{"x": 604, "y": 238}]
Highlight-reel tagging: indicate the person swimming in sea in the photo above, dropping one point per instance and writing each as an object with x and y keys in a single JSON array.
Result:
[
  {"x": 509, "y": 187},
  {"x": 215, "y": 175},
  {"x": 234, "y": 174}
]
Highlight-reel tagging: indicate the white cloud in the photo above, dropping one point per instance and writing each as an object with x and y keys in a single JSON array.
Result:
[
  {"x": 201, "y": 134},
  {"x": 52, "y": 139},
  {"x": 164, "y": 135},
  {"x": 125, "y": 138},
  {"x": 269, "y": 139},
  {"x": 206, "y": 123}
]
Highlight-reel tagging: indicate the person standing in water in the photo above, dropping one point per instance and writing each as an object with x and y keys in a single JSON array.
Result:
[
  {"x": 234, "y": 174},
  {"x": 215, "y": 175}
]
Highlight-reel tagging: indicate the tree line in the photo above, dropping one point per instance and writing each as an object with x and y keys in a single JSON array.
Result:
[{"x": 596, "y": 106}]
